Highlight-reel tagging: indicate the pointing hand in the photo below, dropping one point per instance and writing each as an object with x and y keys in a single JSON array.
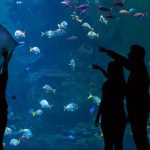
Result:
[
  {"x": 4, "y": 52},
  {"x": 102, "y": 49},
  {"x": 94, "y": 66}
]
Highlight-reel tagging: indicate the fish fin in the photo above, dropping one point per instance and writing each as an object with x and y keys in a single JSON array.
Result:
[
  {"x": 42, "y": 34},
  {"x": 92, "y": 29},
  {"x": 90, "y": 96}
]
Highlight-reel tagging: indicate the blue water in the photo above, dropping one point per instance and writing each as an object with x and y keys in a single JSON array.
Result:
[{"x": 28, "y": 73}]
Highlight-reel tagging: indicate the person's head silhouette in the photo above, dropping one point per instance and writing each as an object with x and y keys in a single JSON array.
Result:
[{"x": 136, "y": 54}]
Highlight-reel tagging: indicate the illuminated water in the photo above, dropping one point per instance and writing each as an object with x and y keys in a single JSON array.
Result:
[{"x": 28, "y": 73}]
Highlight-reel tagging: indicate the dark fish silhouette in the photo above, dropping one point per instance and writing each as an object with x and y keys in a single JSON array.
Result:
[
  {"x": 104, "y": 8},
  {"x": 7, "y": 41}
]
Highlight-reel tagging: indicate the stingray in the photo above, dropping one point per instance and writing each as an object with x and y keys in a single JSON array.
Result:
[{"x": 7, "y": 42}]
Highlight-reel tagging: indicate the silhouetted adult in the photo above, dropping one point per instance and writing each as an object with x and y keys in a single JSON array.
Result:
[
  {"x": 137, "y": 93},
  {"x": 3, "y": 102},
  {"x": 111, "y": 109}
]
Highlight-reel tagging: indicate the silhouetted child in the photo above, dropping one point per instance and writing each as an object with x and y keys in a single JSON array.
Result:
[
  {"x": 137, "y": 92},
  {"x": 111, "y": 109},
  {"x": 3, "y": 102}
]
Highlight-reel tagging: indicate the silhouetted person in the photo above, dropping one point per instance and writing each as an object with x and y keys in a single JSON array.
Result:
[
  {"x": 3, "y": 102},
  {"x": 111, "y": 109},
  {"x": 137, "y": 93}
]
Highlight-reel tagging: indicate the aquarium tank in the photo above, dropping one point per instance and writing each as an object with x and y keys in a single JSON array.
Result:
[{"x": 53, "y": 93}]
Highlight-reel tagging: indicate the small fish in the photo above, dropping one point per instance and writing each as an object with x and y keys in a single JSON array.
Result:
[
  {"x": 109, "y": 16},
  {"x": 66, "y": 3},
  {"x": 83, "y": 11},
  {"x": 104, "y": 8},
  {"x": 44, "y": 103},
  {"x": 34, "y": 50},
  {"x": 78, "y": 19},
  {"x": 19, "y": 34},
  {"x": 18, "y": 2},
  {"x": 141, "y": 15},
  {"x": 27, "y": 133},
  {"x": 71, "y": 107},
  {"x": 95, "y": 99},
  {"x": 48, "y": 89},
  {"x": 38, "y": 112},
  {"x": 8, "y": 42},
  {"x": 118, "y": 3},
  {"x": 83, "y": 7},
  {"x": 123, "y": 12},
  {"x": 132, "y": 10},
  {"x": 72, "y": 64},
  {"x": 87, "y": 26},
  {"x": 59, "y": 32},
  {"x": 103, "y": 20},
  {"x": 14, "y": 142},
  {"x": 93, "y": 35},
  {"x": 63, "y": 25},
  {"x": 8, "y": 131},
  {"x": 48, "y": 34}
]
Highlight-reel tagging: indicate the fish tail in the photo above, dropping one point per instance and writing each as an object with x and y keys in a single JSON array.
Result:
[
  {"x": 19, "y": 139},
  {"x": 30, "y": 49},
  {"x": 59, "y": 26},
  {"x": 42, "y": 34},
  {"x": 50, "y": 106},
  {"x": 90, "y": 96},
  {"x": 81, "y": 20},
  {"x": 98, "y": 35},
  {"x": 54, "y": 91},
  {"x": 64, "y": 108},
  {"x": 24, "y": 34},
  {"x": 33, "y": 114}
]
